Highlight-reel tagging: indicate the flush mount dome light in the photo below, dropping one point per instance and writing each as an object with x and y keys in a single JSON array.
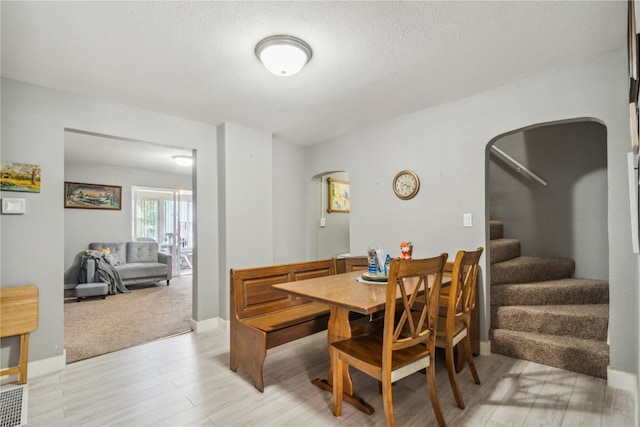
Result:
[
  {"x": 283, "y": 55},
  {"x": 183, "y": 160}
]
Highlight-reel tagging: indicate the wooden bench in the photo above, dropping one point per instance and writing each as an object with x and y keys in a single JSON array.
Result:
[{"x": 263, "y": 318}]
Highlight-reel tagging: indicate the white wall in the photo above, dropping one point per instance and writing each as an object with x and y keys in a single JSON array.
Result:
[
  {"x": 247, "y": 202},
  {"x": 82, "y": 226},
  {"x": 446, "y": 147},
  {"x": 290, "y": 234},
  {"x": 33, "y": 123}
]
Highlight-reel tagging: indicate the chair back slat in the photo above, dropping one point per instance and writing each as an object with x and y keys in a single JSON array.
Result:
[
  {"x": 463, "y": 285},
  {"x": 411, "y": 281}
]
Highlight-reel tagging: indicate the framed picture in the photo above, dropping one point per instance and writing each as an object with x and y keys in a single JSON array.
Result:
[
  {"x": 22, "y": 177},
  {"x": 92, "y": 196},
  {"x": 339, "y": 200}
]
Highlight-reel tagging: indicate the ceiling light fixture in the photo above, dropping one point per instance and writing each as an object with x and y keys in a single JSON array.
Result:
[
  {"x": 283, "y": 55},
  {"x": 183, "y": 160}
]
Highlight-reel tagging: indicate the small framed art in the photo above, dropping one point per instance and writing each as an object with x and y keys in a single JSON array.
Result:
[
  {"x": 339, "y": 200},
  {"x": 22, "y": 177}
]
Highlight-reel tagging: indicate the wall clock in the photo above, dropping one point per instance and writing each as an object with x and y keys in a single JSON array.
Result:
[{"x": 406, "y": 184}]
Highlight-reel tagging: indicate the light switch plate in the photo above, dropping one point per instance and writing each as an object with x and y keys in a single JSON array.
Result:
[
  {"x": 467, "y": 220},
  {"x": 13, "y": 206}
]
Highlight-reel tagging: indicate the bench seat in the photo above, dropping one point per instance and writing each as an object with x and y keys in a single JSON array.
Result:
[
  {"x": 263, "y": 318},
  {"x": 289, "y": 317}
]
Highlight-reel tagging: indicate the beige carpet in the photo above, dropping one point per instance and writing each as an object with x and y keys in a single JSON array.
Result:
[
  {"x": 97, "y": 326},
  {"x": 542, "y": 313}
]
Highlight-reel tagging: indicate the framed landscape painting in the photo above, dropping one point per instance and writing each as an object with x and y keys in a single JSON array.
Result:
[
  {"x": 23, "y": 177},
  {"x": 339, "y": 200},
  {"x": 92, "y": 196}
]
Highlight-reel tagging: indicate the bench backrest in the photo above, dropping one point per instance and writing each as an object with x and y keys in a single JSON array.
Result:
[{"x": 251, "y": 292}]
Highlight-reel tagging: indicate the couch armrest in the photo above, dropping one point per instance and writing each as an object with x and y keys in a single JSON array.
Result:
[{"x": 166, "y": 259}]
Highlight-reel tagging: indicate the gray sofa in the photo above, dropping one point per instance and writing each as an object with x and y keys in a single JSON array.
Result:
[{"x": 137, "y": 262}]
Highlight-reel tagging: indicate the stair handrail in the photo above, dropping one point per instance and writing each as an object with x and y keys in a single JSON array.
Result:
[{"x": 519, "y": 167}]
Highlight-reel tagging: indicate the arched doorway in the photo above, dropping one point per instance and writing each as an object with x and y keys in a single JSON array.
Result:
[
  {"x": 548, "y": 246},
  {"x": 567, "y": 217}
]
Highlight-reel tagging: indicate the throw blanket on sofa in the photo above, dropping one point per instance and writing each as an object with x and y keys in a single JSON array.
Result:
[{"x": 105, "y": 272}]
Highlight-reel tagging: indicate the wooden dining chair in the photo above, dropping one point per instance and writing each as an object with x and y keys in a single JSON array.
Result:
[
  {"x": 407, "y": 342},
  {"x": 456, "y": 303}
]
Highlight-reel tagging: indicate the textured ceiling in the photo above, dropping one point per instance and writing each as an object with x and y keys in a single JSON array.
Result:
[{"x": 371, "y": 60}]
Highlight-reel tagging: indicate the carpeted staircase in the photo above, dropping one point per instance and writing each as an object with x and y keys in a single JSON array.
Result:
[{"x": 539, "y": 312}]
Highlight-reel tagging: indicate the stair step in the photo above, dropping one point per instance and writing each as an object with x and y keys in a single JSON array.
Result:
[
  {"x": 573, "y": 354},
  {"x": 527, "y": 269},
  {"x": 587, "y": 321},
  {"x": 496, "y": 229},
  {"x": 503, "y": 249},
  {"x": 563, "y": 292}
]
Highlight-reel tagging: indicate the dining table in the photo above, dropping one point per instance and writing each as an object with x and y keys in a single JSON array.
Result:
[{"x": 344, "y": 293}]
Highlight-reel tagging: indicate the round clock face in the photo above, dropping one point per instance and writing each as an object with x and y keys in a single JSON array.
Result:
[{"x": 406, "y": 185}]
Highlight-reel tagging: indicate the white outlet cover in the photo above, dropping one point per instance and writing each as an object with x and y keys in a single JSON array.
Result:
[{"x": 13, "y": 206}]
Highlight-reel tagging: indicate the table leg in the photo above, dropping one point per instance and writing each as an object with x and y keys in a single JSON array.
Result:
[{"x": 338, "y": 329}]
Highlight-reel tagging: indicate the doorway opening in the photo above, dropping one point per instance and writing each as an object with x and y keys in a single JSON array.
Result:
[
  {"x": 150, "y": 311},
  {"x": 330, "y": 228},
  {"x": 546, "y": 195}
]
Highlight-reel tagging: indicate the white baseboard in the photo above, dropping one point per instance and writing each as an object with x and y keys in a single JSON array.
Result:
[
  {"x": 209, "y": 324},
  {"x": 485, "y": 348},
  {"x": 622, "y": 380},
  {"x": 225, "y": 325},
  {"x": 625, "y": 381},
  {"x": 47, "y": 366},
  {"x": 40, "y": 367}
]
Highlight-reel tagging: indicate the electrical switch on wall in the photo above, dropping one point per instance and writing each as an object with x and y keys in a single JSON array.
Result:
[{"x": 467, "y": 220}]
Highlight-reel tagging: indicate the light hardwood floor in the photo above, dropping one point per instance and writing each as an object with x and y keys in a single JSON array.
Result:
[{"x": 185, "y": 380}]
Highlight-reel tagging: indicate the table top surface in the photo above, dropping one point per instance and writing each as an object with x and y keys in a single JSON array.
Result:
[{"x": 342, "y": 291}]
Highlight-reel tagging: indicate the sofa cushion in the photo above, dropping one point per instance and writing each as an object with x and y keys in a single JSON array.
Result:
[
  {"x": 118, "y": 249},
  {"x": 142, "y": 252},
  {"x": 134, "y": 270}
]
